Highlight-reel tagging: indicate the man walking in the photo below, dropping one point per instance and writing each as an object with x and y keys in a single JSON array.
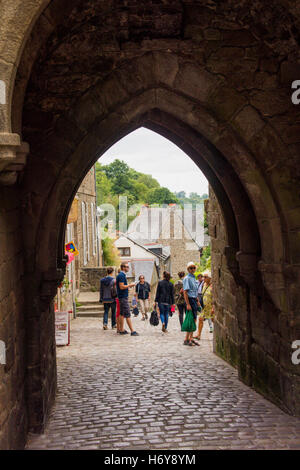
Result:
[
  {"x": 122, "y": 290},
  {"x": 190, "y": 292},
  {"x": 108, "y": 296}
]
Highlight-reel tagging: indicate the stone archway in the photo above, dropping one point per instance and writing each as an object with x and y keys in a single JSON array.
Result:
[
  {"x": 51, "y": 182},
  {"x": 199, "y": 76}
]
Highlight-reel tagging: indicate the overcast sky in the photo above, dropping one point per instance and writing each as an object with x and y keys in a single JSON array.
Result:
[{"x": 148, "y": 152}]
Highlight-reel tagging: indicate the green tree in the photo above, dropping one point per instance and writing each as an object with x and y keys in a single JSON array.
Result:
[
  {"x": 148, "y": 181},
  {"x": 116, "y": 169},
  {"x": 141, "y": 191},
  {"x": 111, "y": 255},
  {"x": 103, "y": 185},
  {"x": 161, "y": 196}
]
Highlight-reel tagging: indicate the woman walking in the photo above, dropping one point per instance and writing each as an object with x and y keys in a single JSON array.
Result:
[
  {"x": 142, "y": 290},
  {"x": 164, "y": 299},
  {"x": 179, "y": 297}
]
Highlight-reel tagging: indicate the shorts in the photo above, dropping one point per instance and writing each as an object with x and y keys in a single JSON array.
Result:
[
  {"x": 124, "y": 307},
  {"x": 194, "y": 306}
]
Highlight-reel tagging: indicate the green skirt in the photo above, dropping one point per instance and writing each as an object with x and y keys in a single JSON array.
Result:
[{"x": 189, "y": 323}]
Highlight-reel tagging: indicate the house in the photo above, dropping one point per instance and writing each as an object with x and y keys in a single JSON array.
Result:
[
  {"x": 82, "y": 230},
  {"x": 170, "y": 232},
  {"x": 141, "y": 260}
]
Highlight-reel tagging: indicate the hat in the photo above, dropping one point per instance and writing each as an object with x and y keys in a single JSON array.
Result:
[
  {"x": 190, "y": 264},
  {"x": 207, "y": 273}
]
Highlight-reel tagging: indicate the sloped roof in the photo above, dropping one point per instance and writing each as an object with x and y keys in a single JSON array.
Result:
[
  {"x": 164, "y": 255},
  {"x": 148, "y": 226}
]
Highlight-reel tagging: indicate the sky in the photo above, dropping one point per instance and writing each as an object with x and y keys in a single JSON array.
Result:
[{"x": 148, "y": 152}]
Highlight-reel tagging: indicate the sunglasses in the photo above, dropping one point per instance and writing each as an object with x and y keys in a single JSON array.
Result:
[{"x": 192, "y": 267}]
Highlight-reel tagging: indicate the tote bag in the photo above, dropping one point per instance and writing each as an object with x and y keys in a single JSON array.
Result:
[{"x": 189, "y": 323}]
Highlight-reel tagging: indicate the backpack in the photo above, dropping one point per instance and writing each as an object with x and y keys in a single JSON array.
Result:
[
  {"x": 113, "y": 289},
  {"x": 154, "y": 321}
]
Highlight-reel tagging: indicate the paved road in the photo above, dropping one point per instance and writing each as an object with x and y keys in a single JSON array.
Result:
[{"x": 151, "y": 392}]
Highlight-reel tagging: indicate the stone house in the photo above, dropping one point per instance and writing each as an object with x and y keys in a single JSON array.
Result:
[
  {"x": 172, "y": 233},
  {"x": 82, "y": 230}
]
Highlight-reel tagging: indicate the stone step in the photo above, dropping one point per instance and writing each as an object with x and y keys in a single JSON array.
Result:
[
  {"x": 86, "y": 308},
  {"x": 90, "y": 314},
  {"x": 89, "y": 302}
]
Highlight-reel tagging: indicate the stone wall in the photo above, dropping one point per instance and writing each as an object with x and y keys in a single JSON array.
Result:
[
  {"x": 13, "y": 414},
  {"x": 182, "y": 248},
  {"x": 90, "y": 278},
  {"x": 250, "y": 333}
]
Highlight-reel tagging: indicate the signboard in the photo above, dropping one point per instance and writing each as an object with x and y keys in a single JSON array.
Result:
[
  {"x": 71, "y": 248},
  {"x": 62, "y": 328}
]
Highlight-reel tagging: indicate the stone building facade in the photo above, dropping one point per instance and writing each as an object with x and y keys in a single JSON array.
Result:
[
  {"x": 82, "y": 229},
  {"x": 217, "y": 79},
  {"x": 182, "y": 246},
  {"x": 167, "y": 232}
]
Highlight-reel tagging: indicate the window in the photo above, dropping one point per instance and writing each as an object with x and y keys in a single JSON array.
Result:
[
  {"x": 87, "y": 232},
  {"x": 124, "y": 251},
  {"x": 84, "y": 244},
  {"x": 94, "y": 241}
]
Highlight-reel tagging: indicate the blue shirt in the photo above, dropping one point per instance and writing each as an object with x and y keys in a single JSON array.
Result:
[
  {"x": 122, "y": 293},
  {"x": 190, "y": 284}
]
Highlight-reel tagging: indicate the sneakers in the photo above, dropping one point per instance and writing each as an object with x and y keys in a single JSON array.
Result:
[
  {"x": 123, "y": 332},
  {"x": 134, "y": 333},
  {"x": 104, "y": 327},
  {"x": 114, "y": 327},
  {"x": 163, "y": 328}
]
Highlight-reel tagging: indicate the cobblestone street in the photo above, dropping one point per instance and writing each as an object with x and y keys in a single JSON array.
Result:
[{"x": 152, "y": 392}]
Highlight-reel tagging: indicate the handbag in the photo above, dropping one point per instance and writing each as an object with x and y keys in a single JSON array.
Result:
[
  {"x": 189, "y": 323},
  {"x": 135, "y": 311},
  {"x": 154, "y": 320}
]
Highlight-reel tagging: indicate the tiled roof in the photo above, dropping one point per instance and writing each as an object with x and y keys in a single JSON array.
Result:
[{"x": 147, "y": 227}]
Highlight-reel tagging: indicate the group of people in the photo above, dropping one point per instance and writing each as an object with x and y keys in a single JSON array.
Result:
[
  {"x": 190, "y": 295},
  {"x": 115, "y": 296}
]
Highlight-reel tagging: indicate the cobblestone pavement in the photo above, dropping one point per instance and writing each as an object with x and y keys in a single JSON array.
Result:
[{"x": 152, "y": 392}]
